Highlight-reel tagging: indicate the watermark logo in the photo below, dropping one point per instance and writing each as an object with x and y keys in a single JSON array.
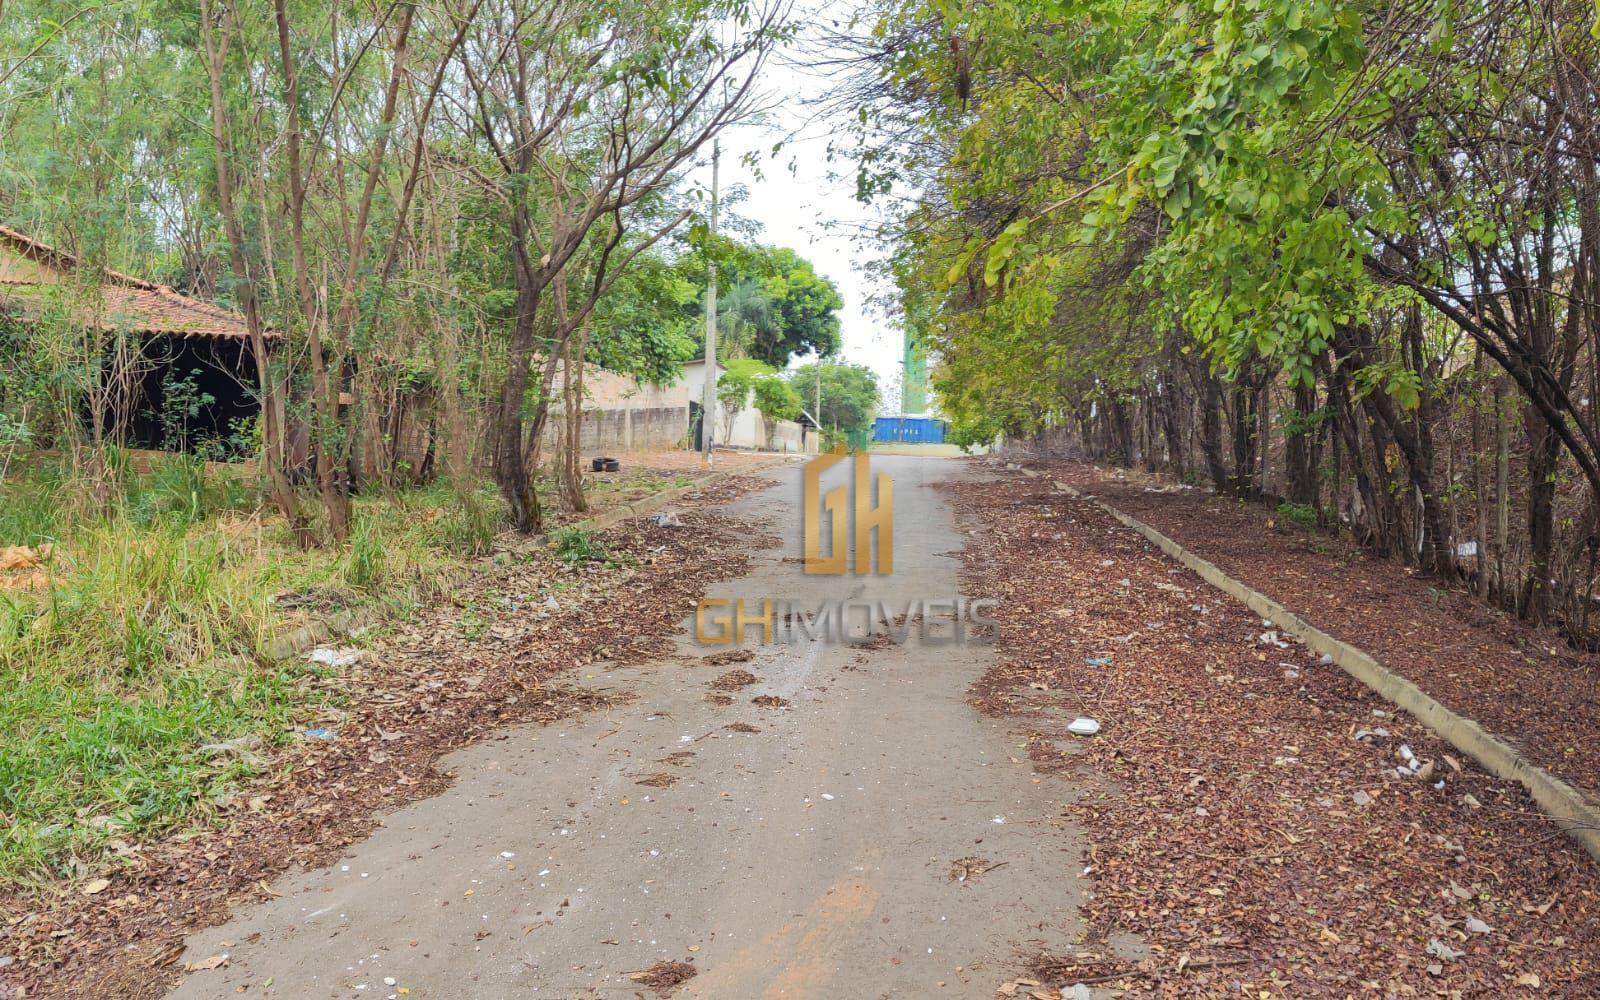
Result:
[
  {"x": 873, "y": 516},
  {"x": 859, "y": 512}
]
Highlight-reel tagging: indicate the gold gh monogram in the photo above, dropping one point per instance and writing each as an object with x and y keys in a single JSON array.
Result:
[{"x": 868, "y": 517}]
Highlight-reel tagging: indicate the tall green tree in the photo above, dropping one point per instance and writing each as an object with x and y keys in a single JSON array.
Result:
[
  {"x": 1152, "y": 224},
  {"x": 849, "y": 394},
  {"x": 775, "y": 305}
]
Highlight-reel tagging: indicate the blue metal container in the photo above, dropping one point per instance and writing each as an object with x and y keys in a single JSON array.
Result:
[{"x": 908, "y": 430}]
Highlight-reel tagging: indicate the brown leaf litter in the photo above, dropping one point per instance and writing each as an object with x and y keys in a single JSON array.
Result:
[
  {"x": 664, "y": 976},
  {"x": 769, "y": 701},
  {"x": 733, "y": 680},
  {"x": 965, "y": 869},
  {"x": 1232, "y": 820},
  {"x": 728, "y": 656},
  {"x": 1476, "y": 659}
]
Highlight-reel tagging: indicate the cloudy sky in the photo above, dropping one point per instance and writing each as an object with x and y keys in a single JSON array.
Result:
[{"x": 800, "y": 204}]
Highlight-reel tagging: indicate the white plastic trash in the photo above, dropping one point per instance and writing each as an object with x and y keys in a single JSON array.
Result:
[
  {"x": 330, "y": 657},
  {"x": 1083, "y": 726}
]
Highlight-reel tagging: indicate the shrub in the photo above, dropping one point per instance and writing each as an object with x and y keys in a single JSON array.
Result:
[
  {"x": 576, "y": 545},
  {"x": 1303, "y": 515}
]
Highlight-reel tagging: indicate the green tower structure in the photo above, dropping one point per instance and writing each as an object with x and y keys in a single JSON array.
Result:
[{"x": 913, "y": 374}]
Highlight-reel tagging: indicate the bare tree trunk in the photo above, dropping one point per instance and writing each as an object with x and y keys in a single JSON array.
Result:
[
  {"x": 1244, "y": 399},
  {"x": 1480, "y": 480},
  {"x": 273, "y": 452},
  {"x": 1380, "y": 517},
  {"x": 323, "y": 394},
  {"x": 577, "y": 352},
  {"x": 511, "y": 474},
  {"x": 1209, "y": 401},
  {"x": 1502, "y": 484},
  {"x": 1544, "y": 450},
  {"x": 1299, "y": 449},
  {"x": 572, "y": 357}
]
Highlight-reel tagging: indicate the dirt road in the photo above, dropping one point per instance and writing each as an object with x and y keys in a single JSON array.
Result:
[{"x": 842, "y": 848}]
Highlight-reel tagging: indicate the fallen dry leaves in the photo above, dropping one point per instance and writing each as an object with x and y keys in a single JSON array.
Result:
[
  {"x": 663, "y": 977},
  {"x": 1476, "y": 659},
  {"x": 1236, "y": 828},
  {"x": 413, "y": 697},
  {"x": 733, "y": 680}
]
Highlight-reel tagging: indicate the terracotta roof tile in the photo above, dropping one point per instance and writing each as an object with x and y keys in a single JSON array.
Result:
[{"x": 129, "y": 303}]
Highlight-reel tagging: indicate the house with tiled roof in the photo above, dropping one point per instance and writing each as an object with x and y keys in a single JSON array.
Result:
[{"x": 176, "y": 340}]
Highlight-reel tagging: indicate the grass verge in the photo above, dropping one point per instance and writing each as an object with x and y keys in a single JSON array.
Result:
[{"x": 134, "y": 692}]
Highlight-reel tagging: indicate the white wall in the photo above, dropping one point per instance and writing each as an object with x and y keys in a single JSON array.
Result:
[{"x": 749, "y": 427}]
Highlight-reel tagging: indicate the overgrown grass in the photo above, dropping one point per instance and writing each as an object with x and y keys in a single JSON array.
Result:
[
  {"x": 1302, "y": 515},
  {"x": 146, "y": 646}
]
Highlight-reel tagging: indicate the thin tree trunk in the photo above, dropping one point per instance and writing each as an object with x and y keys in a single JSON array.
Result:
[
  {"x": 273, "y": 453},
  {"x": 323, "y": 394},
  {"x": 511, "y": 473}
]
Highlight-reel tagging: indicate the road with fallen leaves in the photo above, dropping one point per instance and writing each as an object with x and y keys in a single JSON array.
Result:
[{"x": 839, "y": 822}]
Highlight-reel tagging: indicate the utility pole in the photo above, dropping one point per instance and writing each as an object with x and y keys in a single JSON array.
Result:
[
  {"x": 708, "y": 402},
  {"x": 819, "y": 402}
]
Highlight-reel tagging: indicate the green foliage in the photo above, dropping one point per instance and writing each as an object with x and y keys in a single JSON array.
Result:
[
  {"x": 646, "y": 327},
  {"x": 773, "y": 305},
  {"x": 1235, "y": 182},
  {"x": 469, "y": 524},
  {"x": 849, "y": 394},
  {"x": 143, "y": 644},
  {"x": 736, "y": 381},
  {"x": 182, "y": 402},
  {"x": 144, "y": 647},
  {"x": 575, "y": 545},
  {"x": 363, "y": 562},
  {"x": 13, "y": 432},
  {"x": 1303, "y": 515},
  {"x": 777, "y": 399}
]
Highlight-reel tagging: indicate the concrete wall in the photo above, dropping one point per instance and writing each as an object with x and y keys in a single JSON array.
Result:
[
  {"x": 788, "y": 436},
  {"x": 623, "y": 414},
  {"x": 607, "y": 390},
  {"x": 654, "y": 429},
  {"x": 749, "y": 428},
  {"x": 620, "y": 414}
]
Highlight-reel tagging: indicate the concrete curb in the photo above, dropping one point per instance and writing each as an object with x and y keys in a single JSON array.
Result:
[
  {"x": 297, "y": 641},
  {"x": 1568, "y": 807}
]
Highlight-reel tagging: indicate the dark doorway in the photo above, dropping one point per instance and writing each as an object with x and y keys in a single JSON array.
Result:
[{"x": 194, "y": 394}]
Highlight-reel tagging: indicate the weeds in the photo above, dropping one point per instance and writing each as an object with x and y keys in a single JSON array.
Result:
[
  {"x": 364, "y": 563},
  {"x": 470, "y": 524},
  {"x": 144, "y": 649},
  {"x": 1302, "y": 515},
  {"x": 578, "y": 545}
]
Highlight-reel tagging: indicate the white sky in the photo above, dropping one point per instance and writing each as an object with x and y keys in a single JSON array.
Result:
[{"x": 799, "y": 205}]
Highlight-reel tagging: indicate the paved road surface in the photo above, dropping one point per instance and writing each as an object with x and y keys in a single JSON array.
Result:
[{"x": 810, "y": 859}]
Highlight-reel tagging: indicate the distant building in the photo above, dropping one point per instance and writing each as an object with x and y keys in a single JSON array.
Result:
[
  {"x": 913, "y": 374},
  {"x": 187, "y": 379}
]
